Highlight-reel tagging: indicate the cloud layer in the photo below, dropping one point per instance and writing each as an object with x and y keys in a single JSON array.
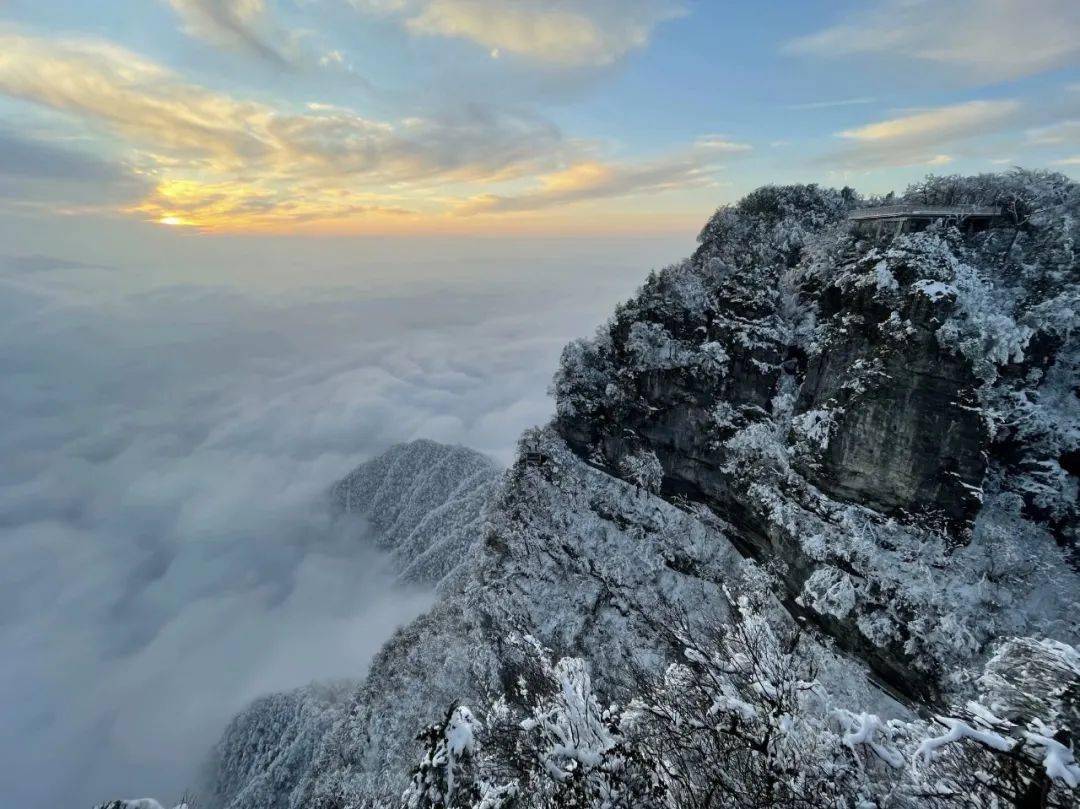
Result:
[
  {"x": 220, "y": 162},
  {"x": 167, "y": 554}
]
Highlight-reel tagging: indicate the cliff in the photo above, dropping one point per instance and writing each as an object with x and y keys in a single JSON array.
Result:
[{"x": 893, "y": 422}]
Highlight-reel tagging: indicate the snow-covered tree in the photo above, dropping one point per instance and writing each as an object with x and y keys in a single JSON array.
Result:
[
  {"x": 1015, "y": 744},
  {"x": 741, "y": 720},
  {"x": 446, "y": 775},
  {"x": 561, "y": 744},
  {"x": 643, "y": 469}
]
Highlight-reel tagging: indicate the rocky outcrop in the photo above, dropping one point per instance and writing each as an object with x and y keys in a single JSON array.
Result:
[
  {"x": 909, "y": 440},
  {"x": 852, "y": 408}
]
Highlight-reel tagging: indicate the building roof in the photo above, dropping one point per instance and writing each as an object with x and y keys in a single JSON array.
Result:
[{"x": 919, "y": 210}]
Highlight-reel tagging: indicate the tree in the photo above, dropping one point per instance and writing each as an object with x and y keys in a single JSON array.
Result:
[
  {"x": 1014, "y": 744},
  {"x": 741, "y": 720},
  {"x": 643, "y": 469},
  {"x": 445, "y": 776},
  {"x": 557, "y": 740}
]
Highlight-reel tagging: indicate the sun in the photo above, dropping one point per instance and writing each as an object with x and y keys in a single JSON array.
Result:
[{"x": 171, "y": 221}]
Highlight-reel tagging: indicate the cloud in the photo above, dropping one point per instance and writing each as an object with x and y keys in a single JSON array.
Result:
[
  {"x": 595, "y": 180},
  {"x": 23, "y": 157},
  {"x": 238, "y": 24},
  {"x": 133, "y": 97},
  {"x": 984, "y": 40},
  {"x": 1061, "y": 133},
  {"x": 35, "y": 172},
  {"x": 40, "y": 263},
  {"x": 167, "y": 553},
  {"x": 1062, "y": 136},
  {"x": 570, "y": 33},
  {"x": 230, "y": 163},
  {"x": 825, "y": 105},
  {"x": 219, "y": 162},
  {"x": 920, "y": 137}
]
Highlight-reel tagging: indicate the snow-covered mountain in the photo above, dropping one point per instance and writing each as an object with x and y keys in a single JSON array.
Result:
[
  {"x": 427, "y": 502},
  {"x": 807, "y": 515},
  {"x": 574, "y": 557},
  {"x": 896, "y": 422}
]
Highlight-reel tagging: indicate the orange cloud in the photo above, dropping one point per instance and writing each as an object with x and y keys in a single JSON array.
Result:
[
  {"x": 918, "y": 138},
  {"x": 592, "y": 180},
  {"x": 217, "y": 162}
]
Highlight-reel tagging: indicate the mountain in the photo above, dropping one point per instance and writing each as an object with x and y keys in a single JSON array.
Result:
[
  {"x": 426, "y": 502},
  {"x": 803, "y": 532},
  {"x": 575, "y": 557},
  {"x": 897, "y": 423}
]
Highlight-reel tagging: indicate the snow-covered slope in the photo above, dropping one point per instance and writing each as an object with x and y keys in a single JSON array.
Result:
[
  {"x": 576, "y": 558},
  {"x": 427, "y": 503}
]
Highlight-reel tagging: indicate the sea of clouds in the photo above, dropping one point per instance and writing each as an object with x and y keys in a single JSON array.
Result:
[{"x": 166, "y": 550}]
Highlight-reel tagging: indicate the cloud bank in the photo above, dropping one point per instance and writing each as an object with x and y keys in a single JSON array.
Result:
[{"x": 167, "y": 554}]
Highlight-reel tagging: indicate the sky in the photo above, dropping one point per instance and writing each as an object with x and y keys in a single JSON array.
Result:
[
  {"x": 247, "y": 244},
  {"x": 585, "y": 117}
]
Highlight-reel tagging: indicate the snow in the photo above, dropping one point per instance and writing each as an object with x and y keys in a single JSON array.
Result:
[
  {"x": 1057, "y": 760},
  {"x": 815, "y": 426},
  {"x": 830, "y": 591},
  {"x": 959, "y": 730},
  {"x": 427, "y": 502},
  {"x": 864, "y": 727},
  {"x": 884, "y": 279},
  {"x": 935, "y": 290},
  {"x": 460, "y": 732}
]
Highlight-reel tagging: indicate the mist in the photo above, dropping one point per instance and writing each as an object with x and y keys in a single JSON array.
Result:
[{"x": 169, "y": 433}]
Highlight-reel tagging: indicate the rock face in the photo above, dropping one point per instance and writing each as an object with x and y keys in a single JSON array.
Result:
[
  {"x": 913, "y": 441},
  {"x": 855, "y": 409}
]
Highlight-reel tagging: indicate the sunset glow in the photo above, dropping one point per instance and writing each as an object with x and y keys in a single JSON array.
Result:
[{"x": 398, "y": 118}]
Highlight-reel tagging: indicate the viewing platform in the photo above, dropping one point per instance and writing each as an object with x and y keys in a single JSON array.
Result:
[{"x": 890, "y": 220}]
